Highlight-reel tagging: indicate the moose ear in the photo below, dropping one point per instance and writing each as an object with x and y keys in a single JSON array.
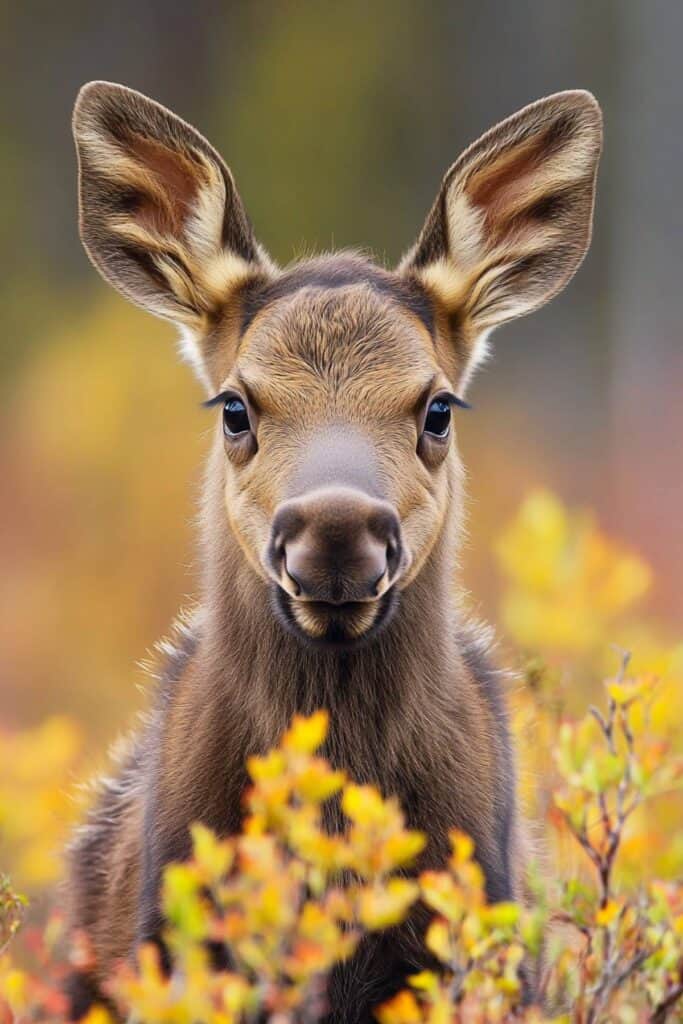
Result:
[
  {"x": 512, "y": 220},
  {"x": 160, "y": 216}
]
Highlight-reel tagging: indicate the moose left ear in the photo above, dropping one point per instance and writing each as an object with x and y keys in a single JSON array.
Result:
[{"x": 512, "y": 220}]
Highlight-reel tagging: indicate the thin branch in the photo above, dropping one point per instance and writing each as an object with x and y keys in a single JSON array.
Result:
[{"x": 661, "y": 1011}]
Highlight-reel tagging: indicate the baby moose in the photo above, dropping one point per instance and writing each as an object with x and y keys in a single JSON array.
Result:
[{"x": 332, "y": 507}]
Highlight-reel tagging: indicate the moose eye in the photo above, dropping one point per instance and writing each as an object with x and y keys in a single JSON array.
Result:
[
  {"x": 438, "y": 420},
  {"x": 235, "y": 417}
]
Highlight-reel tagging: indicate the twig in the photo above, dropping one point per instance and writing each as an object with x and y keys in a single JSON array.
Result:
[{"x": 661, "y": 1011}]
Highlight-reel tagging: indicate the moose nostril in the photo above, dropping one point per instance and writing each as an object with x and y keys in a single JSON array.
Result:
[
  {"x": 387, "y": 528},
  {"x": 394, "y": 554},
  {"x": 376, "y": 586},
  {"x": 298, "y": 586},
  {"x": 288, "y": 524}
]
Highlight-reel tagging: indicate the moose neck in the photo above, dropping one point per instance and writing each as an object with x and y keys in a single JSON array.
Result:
[{"x": 265, "y": 674}]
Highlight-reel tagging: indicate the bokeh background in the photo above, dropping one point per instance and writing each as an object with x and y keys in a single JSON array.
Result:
[{"x": 338, "y": 121}]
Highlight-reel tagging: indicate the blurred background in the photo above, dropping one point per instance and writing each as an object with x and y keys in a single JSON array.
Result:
[{"x": 338, "y": 121}]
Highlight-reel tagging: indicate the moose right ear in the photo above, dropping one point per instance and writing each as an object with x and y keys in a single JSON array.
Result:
[{"x": 160, "y": 216}]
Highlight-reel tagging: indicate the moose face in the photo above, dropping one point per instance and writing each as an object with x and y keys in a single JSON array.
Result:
[
  {"x": 336, "y": 382},
  {"x": 336, "y": 423}
]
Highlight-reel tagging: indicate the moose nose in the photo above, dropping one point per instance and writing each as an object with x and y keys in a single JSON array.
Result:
[{"x": 335, "y": 545}]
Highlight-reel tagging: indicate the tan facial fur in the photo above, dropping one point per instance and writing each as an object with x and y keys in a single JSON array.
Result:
[{"x": 329, "y": 367}]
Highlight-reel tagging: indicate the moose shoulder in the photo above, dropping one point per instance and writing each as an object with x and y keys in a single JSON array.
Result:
[{"x": 333, "y": 499}]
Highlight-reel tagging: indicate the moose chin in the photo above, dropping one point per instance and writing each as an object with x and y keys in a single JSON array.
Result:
[
  {"x": 333, "y": 500},
  {"x": 340, "y": 627}
]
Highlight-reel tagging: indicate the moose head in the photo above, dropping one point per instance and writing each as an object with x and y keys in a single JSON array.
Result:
[{"x": 337, "y": 381}]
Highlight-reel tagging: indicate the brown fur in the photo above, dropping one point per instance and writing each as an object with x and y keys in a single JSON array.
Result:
[{"x": 336, "y": 359}]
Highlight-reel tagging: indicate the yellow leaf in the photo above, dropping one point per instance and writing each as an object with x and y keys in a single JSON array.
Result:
[
  {"x": 441, "y": 1009},
  {"x": 272, "y": 766},
  {"x": 624, "y": 692},
  {"x": 305, "y": 735},
  {"x": 364, "y": 805},
  {"x": 317, "y": 783},
  {"x": 438, "y": 940},
  {"x": 462, "y": 846},
  {"x": 401, "y": 849},
  {"x": 508, "y": 984},
  {"x": 98, "y": 1015},
  {"x": 236, "y": 994},
  {"x": 14, "y": 988},
  {"x": 500, "y": 915},
  {"x": 402, "y": 1009},
  {"x": 213, "y": 856},
  {"x": 384, "y": 906},
  {"x": 425, "y": 981},
  {"x": 605, "y": 915}
]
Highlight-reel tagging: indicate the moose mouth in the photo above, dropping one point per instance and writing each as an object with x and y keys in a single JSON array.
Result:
[{"x": 334, "y": 626}]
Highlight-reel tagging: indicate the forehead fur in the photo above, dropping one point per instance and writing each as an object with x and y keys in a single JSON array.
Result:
[
  {"x": 339, "y": 270},
  {"x": 349, "y": 339}
]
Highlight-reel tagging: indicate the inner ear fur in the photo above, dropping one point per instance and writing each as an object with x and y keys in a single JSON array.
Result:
[
  {"x": 160, "y": 216},
  {"x": 512, "y": 220}
]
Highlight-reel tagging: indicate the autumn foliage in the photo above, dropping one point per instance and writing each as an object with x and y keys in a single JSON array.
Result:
[{"x": 600, "y": 936}]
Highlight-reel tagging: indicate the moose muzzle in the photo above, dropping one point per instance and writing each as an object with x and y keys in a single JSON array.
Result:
[{"x": 335, "y": 552}]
